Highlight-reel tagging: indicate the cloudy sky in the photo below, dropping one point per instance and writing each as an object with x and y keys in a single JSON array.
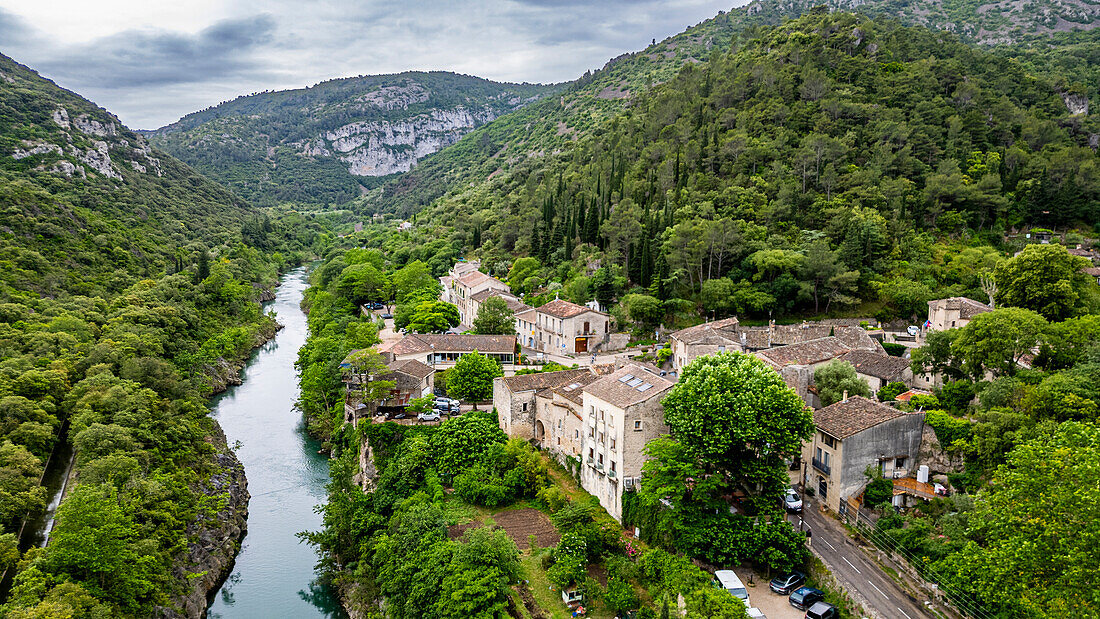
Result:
[{"x": 152, "y": 61}]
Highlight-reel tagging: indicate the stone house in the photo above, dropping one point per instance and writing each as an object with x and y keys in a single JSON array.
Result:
[
  {"x": 878, "y": 369},
  {"x": 622, "y": 413},
  {"x": 796, "y": 363},
  {"x": 441, "y": 352},
  {"x": 518, "y": 307},
  {"x": 704, "y": 339},
  {"x": 953, "y": 312},
  {"x": 412, "y": 379},
  {"x": 567, "y": 328},
  {"x": 514, "y": 400},
  {"x": 851, "y": 436},
  {"x": 465, "y": 286}
]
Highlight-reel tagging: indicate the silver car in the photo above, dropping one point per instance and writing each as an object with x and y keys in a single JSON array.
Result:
[{"x": 429, "y": 416}]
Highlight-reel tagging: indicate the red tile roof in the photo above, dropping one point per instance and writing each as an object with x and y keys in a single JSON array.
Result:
[
  {"x": 560, "y": 308},
  {"x": 852, "y": 416}
]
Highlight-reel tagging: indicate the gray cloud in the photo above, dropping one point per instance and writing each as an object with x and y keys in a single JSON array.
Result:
[
  {"x": 158, "y": 58},
  {"x": 154, "y": 75}
]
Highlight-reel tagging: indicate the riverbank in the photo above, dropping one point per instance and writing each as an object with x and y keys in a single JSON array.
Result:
[{"x": 215, "y": 539}]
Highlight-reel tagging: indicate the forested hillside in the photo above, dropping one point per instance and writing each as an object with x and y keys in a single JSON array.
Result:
[
  {"x": 329, "y": 142},
  {"x": 128, "y": 289},
  {"x": 975, "y": 21},
  {"x": 826, "y": 162},
  {"x": 1036, "y": 33}
]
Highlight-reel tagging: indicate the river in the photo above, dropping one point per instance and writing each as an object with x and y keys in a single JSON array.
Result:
[{"x": 274, "y": 575}]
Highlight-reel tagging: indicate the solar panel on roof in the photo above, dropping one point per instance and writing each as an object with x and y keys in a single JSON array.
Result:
[
  {"x": 644, "y": 387},
  {"x": 626, "y": 378}
]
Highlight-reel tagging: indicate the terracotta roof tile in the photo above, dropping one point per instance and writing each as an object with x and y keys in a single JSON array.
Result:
[
  {"x": 412, "y": 367},
  {"x": 804, "y": 353},
  {"x": 462, "y": 342},
  {"x": 560, "y": 308},
  {"x": 856, "y": 338},
  {"x": 852, "y": 416},
  {"x": 879, "y": 365},
  {"x": 725, "y": 328},
  {"x": 545, "y": 380},
  {"x": 628, "y": 391}
]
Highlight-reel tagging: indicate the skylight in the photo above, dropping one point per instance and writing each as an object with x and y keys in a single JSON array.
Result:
[
  {"x": 635, "y": 382},
  {"x": 626, "y": 378},
  {"x": 644, "y": 387}
]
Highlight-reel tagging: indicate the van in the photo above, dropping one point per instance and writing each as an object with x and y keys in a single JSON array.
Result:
[{"x": 729, "y": 581}]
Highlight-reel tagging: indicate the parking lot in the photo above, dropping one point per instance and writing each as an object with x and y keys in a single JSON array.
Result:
[{"x": 774, "y": 606}]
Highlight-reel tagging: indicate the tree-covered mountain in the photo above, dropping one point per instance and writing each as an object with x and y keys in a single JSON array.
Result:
[
  {"x": 974, "y": 21},
  {"x": 328, "y": 142},
  {"x": 128, "y": 291},
  {"x": 829, "y": 135}
]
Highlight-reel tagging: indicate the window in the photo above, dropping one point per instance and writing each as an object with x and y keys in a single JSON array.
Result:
[
  {"x": 612, "y": 444},
  {"x": 525, "y": 407},
  {"x": 590, "y": 453},
  {"x": 899, "y": 463},
  {"x": 601, "y": 414},
  {"x": 612, "y": 466},
  {"x": 637, "y": 425},
  {"x": 601, "y": 438},
  {"x": 591, "y": 432},
  {"x": 819, "y": 453},
  {"x": 828, "y": 440},
  {"x": 576, "y": 433},
  {"x": 599, "y": 459}
]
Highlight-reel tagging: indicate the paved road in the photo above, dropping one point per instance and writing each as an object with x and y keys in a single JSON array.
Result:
[{"x": 856, "y": 572}]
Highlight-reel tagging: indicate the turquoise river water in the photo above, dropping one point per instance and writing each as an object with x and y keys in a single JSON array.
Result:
[{"x": 274, "y": 575}]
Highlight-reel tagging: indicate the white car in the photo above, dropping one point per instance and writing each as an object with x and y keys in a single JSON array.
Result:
[
  {"x": 792, "y": 502},
  {"x": 756, "y": 613}
]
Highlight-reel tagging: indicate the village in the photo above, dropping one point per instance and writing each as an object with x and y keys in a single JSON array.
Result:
[{"x": 599, "y": 406}]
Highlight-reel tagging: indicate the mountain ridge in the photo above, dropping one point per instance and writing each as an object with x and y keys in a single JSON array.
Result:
[{"x": 329, "y": 142}]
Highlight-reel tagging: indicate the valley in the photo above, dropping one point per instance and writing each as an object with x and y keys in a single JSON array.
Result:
[{"x": 802, "y": 289}]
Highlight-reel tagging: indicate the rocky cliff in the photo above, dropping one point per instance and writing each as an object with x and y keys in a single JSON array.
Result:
[
  {"x": 326, "y": 143},
  {"x": 214, "y": 539}
]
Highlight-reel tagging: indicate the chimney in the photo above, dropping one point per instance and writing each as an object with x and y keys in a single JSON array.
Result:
[{"x": 845, "y": 398}]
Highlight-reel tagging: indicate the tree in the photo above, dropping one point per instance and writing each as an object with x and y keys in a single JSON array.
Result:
[
  {"x": 620, "y": 596},
  {"x": 494, "y": 317},
  {"x": 433, "y": 316},
  {"x": 522, "y": 269},
  {"x": 362, "y": 283},
  {"x": 365, "y": 369},
  {"x": 461, "y": 441},
  {"x": 20, "y": 493},
  {"x": 413, "y": 277},
  {"x": 837, "y": 377},
  {"x": 996, "y": 341},
  {"x": 93, "y": 541},
  {"x": 1029, "y": 557},
  {"x": 891, "y": 391},
  {"x": 645, "y": 311},
  {"x": 936, "y": 355},
  {"x": 1044, "y": 278},
  {"x": 714, "y": 603},
  {"x": 739, "y": 418},
  {"x": 471, "y": 379}
]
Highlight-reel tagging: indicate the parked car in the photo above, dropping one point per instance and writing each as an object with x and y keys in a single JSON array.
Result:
[
  {"x": 792, "y": 502},
  {"x": 445, "y": 400},
  {"x": 756, "y": 613},
  {"x": 728, "y": 580},
  {"x": 783, "y": 585},
  {"x": 399, "y": 415},
  {"x": 433, "y": 415},
  {"x": 386, "y": 316},
  {"x": 804, "y": 597},
  {"x": 821, "y": 610}
]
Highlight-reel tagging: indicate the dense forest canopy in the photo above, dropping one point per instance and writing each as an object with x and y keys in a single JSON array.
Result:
[{"x": 128, "y": 288}]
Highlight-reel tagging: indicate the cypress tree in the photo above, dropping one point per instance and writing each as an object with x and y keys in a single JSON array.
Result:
[
  {"x": 536, "y": 242},
  {"x": 645, "y": 267},
  {"x": 579, "y": 228},
  {"x": 203, "y": 270},
  {"x": 592, "y": 224}
]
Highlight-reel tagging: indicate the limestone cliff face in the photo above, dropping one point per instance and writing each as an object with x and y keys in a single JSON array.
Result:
[
  {"x": 377, "y": 148},
  {"x": 84, "y": 145}
]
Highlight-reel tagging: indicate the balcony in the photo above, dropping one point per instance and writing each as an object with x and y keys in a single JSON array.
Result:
[
  {"x": 592, "y": 462},
  {"x": 611, "y": 474},
  {"x": 599, "y": 466},
  {"x": 821, "y": 466}
]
